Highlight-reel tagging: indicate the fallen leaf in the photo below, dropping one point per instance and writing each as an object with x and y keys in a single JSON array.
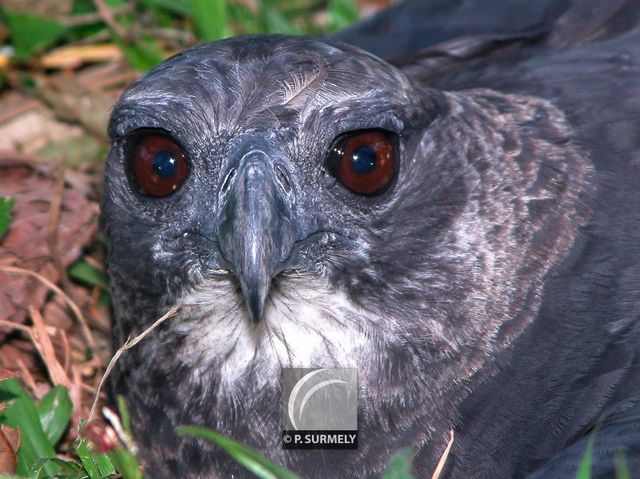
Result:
[
  {"x": 9, "y": 444},
  {"x": 74, "y": 56},
  {"x": 6, "y": 374},
  {"x": 25, "y": 243},
  {"x": 42, "y": 341}
]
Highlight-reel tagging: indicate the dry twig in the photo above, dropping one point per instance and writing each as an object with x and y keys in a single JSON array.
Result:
[
  {"x": 95, "y": 17},
  {"x": 128, "y": 345},
  {"x": 443, "y": 458},
  {"x": 42, "y": 342},
  {"x": 108, "y": 17},
  {"x": 86, "y": 332}
]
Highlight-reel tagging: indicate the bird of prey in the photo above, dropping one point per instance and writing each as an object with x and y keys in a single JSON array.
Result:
[{"x": 459, "y": 222}]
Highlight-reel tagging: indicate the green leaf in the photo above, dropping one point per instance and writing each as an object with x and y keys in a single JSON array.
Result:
[
  {"x": 64, "y": 469},
  {"x": 20, "y": 412},
  {"x": 142, "y": 55},
  {"x": 584, "y": 470},
  {"x": 278, "y": 23},
  {"x": 115, "y": 3},
  {"x": 126, "y": 463},
  {"x": 342, "y": 13},
  {"x": 86, "y": 273},
  {"x": 252, "y": 460},
  {"x": 181, "y": 7},
  {"x": 621, "y": 466},
  {"x": 55, "y": 413},
  {"x": 96, "y": 465},
  {"x": 399, "y": 466},
  {"x": 210, "y": 19},
  {"x": 246, "y": 21},
  {"x": 125, "y": 419},
  {"x": 31, "y": 34},
  {"x": 6, "y": 208}
]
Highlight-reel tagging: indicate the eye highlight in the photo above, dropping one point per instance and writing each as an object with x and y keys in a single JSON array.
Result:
[
  {"x": 158, "y": 165},
  {"x": 364, "y": 162}
]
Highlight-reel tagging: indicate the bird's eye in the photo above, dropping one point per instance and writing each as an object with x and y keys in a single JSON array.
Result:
[
  {"x": 158, "y": 166},
  {"x": 364, "y": 162}
]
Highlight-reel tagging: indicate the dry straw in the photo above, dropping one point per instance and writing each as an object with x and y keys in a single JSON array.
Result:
[{"x": 128, "y": 345}]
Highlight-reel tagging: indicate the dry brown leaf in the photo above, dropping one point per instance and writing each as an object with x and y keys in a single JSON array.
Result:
[
  {"x": 74, "y": 56},
  {"x": 9, "y": 444},
  {"x": 42, "y": 341},
  {"x": 6, "y": 374},
  {"x": 88, "y": 336},
  {"x": 26, "y": 242},
  {"x": 17, "y": 350},
  {"x": 70, "y": 101}
]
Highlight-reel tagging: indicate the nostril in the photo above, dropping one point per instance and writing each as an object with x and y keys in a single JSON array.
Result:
[{"x": 281, "y": 177}]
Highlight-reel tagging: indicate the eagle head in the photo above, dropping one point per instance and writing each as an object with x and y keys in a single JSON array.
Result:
[{"x": 306, "y": 204}]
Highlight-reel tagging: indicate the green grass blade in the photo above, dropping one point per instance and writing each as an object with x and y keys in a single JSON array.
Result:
[
  {"x": 142, "y": 55},
  {"x": 86, "y": 458},
  {"x": 621, "y": 466},
  {"x": 278, "y": 23},
  {"x": 584, "y": 470},
  {"x": 87, "y": 274},
  {"x": 210, "y": 19},
  {"x": 342, "y": 13},
  {"x": 181, "y": 7},
  {"x": 20, "y": 412},
  {"x": 55, "y": 413},
  {"x": 252, "y": 460},
  {"x": 31, "y": 34},
  {"x": 6, "y": 208},
  {"x": 399, "y": 466},
  {"x": 126, "y": 463},
  {"x": 96, "y": 465},
  {"x": 123, "y": 410},
  {"x": 246, "y": 21},
  {"x": 64, "y": 469}
]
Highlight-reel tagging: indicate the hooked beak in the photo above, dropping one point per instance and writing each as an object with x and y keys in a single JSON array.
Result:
[{"x": 257, "y": 230}]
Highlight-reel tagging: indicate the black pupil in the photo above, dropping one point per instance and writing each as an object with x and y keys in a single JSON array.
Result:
[
  {"x": 363, "y": 160},
  {"x": 165, "y": 163}
]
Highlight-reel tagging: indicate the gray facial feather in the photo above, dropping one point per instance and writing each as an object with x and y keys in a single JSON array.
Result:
[{"x": 419, "y": 288}]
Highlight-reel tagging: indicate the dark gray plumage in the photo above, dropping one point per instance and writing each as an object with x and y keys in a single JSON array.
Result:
[{"x": 493, "y": 288}]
